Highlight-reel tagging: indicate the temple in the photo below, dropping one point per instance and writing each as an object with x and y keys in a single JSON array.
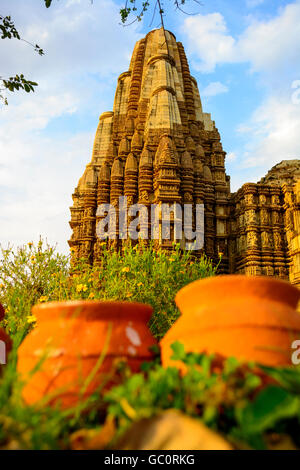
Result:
[{"x": 158, "y": 146}]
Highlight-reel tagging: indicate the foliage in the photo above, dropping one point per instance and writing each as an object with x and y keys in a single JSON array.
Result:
[
  {"x": 32, "y": 274},
  {"x": 245, "y": 402},
  {"x": 234, "y": 399},
  {"x": 39, "y": 428},
  {"x": 8, "y": 31},
  {"x": 230, "y": 397},
  {"x": 17, "y": 82},
  {"x": 138, "y": 9},
  {"x": 145, "y": 275},
  {"x": 28, "y": 273}
]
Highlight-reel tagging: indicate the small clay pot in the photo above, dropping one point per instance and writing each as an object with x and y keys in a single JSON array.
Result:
[
  {"x": 250, "y": 318},
  {"x": 68, "y": 341},
  {"x": 5, "y": 341}
]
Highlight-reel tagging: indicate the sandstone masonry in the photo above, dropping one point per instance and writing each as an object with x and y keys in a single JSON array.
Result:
[{"x": 158, "y": 146}]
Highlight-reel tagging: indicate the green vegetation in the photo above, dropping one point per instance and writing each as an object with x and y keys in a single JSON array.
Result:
[
  {"x": 247, "y": 404},
  {"x": 233, "y": 399},
  {"x": 32, "y": 274}
]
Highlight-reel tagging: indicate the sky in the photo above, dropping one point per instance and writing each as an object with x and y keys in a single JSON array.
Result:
[{"x": 245, "y": 55}]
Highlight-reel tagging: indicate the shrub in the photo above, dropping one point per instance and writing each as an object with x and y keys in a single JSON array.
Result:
[
  {"x": 33, "y": 274},
  {"x": 27, "y": 274}
]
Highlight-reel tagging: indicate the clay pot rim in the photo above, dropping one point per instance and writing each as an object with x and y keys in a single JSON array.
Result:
[
  {"x": 257, "y": 286},
  {"x": 93, "y": 310}
]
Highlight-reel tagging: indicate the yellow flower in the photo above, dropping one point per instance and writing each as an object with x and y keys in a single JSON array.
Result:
[
  {"x": 31, "y": 319},
  {"x": 30, "y": 244},
  {"x": 129, "y": 294},
  {"x": 1, "y": 286},
  {"x": 171, "y": 260},
  {"x": 90, "y": 279},
  {"x": 139, "y": 284},
  {"x": 103, "y": 244},
  {"x": 44, "y": 298},
  {"x": 81, "y": 288},
  {"x": 72, "y": 250},
  {"x": 92, "y": 295},
  {"x": 53, "y": 275},
  {"x": 125, "y": 270}
]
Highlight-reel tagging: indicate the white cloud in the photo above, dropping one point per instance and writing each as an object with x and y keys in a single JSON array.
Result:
[
  {"x": 273, "y": 44},
  {"x": 266, "y": 45},
  {"x": 208, "y": 37},
  {"x": 40, "y": 167},
  {"x": 213, "y": 89},
  {"x": 271, "y": 47},
  {"x": 254, "y": 3},
  {"x": 231, "y": 156},
  {"x": 37, "y": 178},
  {"x": 274, "y": 129}
]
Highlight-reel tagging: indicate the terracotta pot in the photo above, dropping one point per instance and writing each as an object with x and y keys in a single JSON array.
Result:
[
  {"x": 5, "y": 341},
  {"x": 250, "y": 318},
  {"x": 68, "y": 341}
]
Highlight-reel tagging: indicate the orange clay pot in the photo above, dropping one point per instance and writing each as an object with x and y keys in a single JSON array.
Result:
[
  {"x": 5, "y": 341},
  {"x": 68, "y": 341},
  {"x": 250, "y": 318}
]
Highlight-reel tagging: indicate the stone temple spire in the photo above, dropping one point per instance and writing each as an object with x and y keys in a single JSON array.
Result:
[{"x": 156, "y": 146}]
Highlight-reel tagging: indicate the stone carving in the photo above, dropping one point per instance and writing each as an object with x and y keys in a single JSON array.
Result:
[
  {"x": 250, "y": 217},
  {"x": 145, "y": 196},
  {"x": 249, "y": 199},
  {"x": 265, "y": 239},
  {"x": 275, "y": 217},
  {"x": 252, "y": 239},
  {"x": 277, "y": 240},
  {"x": 264, "y": 216},
  {"x": 262, "y": 199}
]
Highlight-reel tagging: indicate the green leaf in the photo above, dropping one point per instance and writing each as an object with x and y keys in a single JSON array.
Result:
[
  {"x": 252, "y": 381},
  {"x": 48, "y": 3},
  {"x": 271, "y": 405},
  {"x": 231, "y": 364},
  {"x": 289, "y": 378},
  {"x": 178, "y": 350}
]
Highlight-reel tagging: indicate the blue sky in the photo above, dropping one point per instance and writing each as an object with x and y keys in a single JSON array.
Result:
[{"x": 245, "y": 55}]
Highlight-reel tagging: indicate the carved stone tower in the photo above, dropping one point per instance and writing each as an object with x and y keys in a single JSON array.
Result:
[{"x": 158, "y": 146}]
